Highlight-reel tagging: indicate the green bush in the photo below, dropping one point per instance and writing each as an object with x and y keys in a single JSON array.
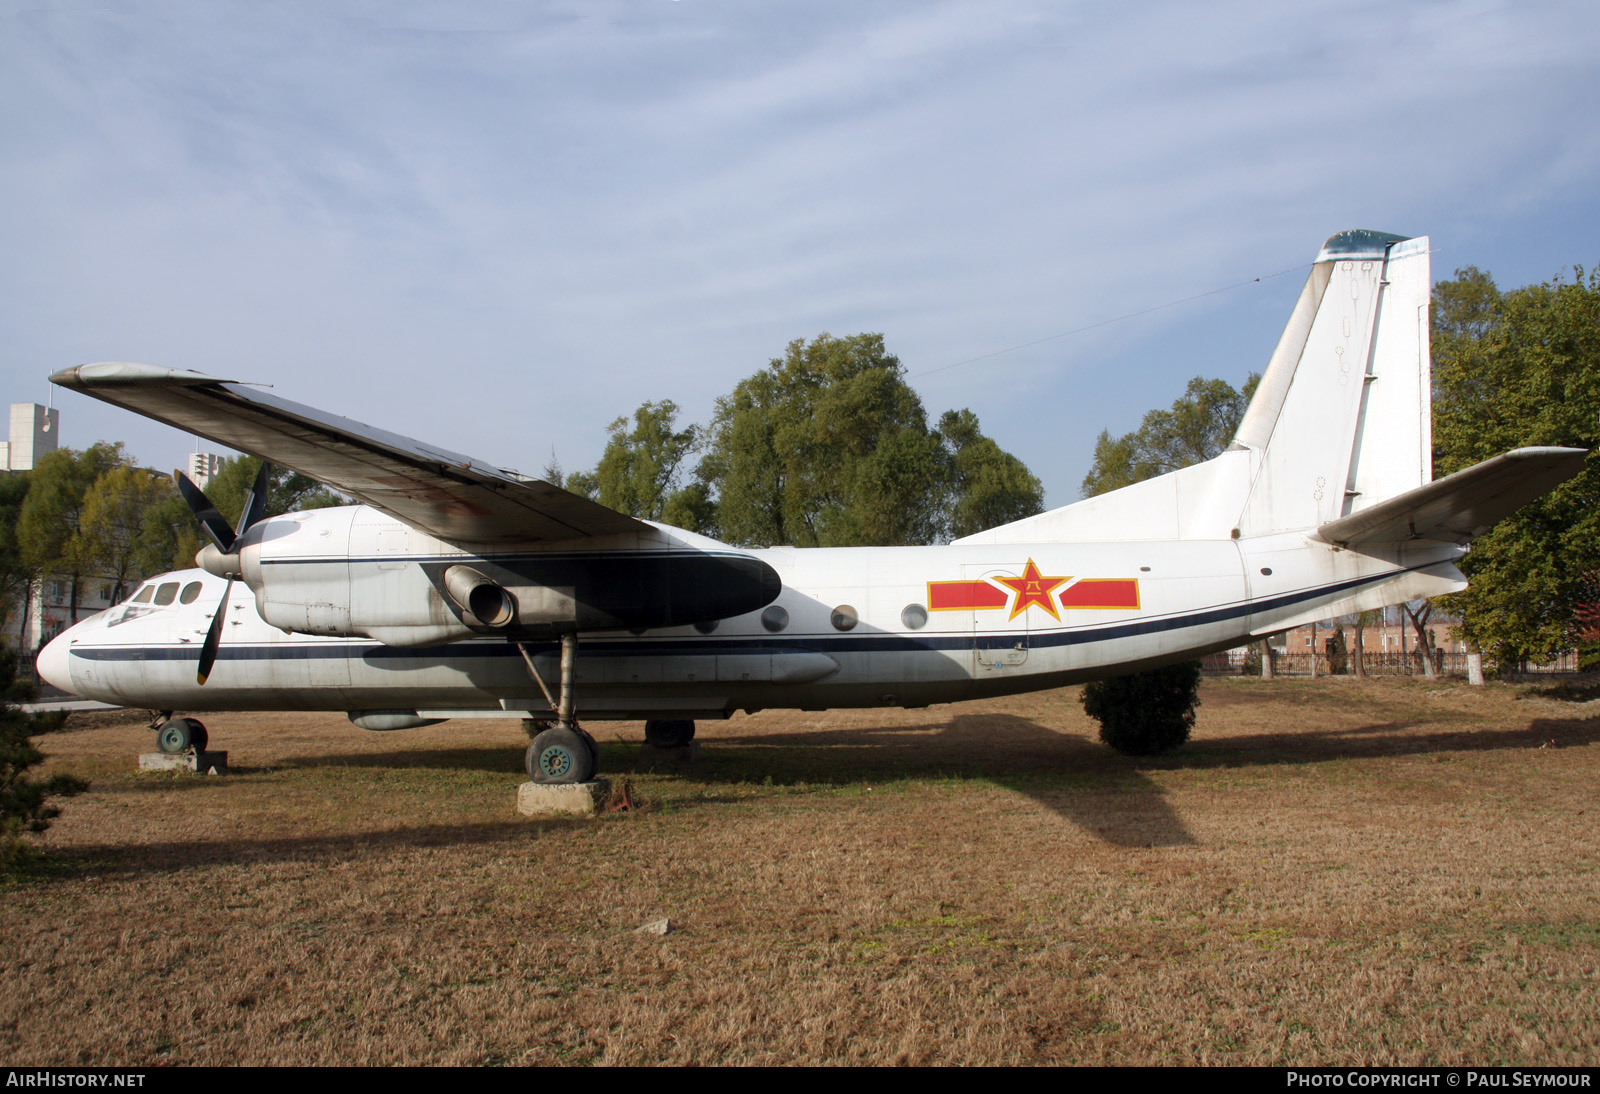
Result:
[
  {"x": 1146, "y": 712},
  {"x": 24, "y": 800}
]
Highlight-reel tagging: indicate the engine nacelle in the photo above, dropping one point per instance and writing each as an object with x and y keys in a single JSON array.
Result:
[{"x": 353, "y": 571}]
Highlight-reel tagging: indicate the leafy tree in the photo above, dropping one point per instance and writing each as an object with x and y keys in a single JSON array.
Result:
[
  {"x": 50, "y": 530},
  {"x": 287, "y": 491},
  {"x": 120, "y": 540},
  {"x": 1145, "y": 712},
  {"x": 1196, "y": 428},
  {"x": 1512, "y": 369},
  {"x": 988, "y": 486},
  {"x": 15, "y": 575},
  {"x": 826, "y": 447},
  {"x": 24, "y": 799},
  {"x": 640, "y": 467}
]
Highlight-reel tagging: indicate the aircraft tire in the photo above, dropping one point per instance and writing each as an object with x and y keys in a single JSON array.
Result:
[
  {"x": 559, "y": 755},
  {"x": 198, "y": 737},
  {"x": 669, "y": 732},
  {"x": 178, "y": 735},
  {"x": 594, "y": 749}
]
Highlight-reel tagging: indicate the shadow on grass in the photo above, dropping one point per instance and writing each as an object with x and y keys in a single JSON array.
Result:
[
  {"x": 1107, "y": 795},
  {"x": 116, "y": 860}
]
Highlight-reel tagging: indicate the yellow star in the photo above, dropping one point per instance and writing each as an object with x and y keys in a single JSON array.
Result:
[{"x": 1033, "y": 588}]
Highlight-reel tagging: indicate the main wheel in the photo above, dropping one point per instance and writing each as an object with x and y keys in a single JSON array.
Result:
[
  {"x": 198, "y": 737},
  {"x": 178, "y": 735},
  {"x": 594, "y": 749},
  {"x": 669, "y": 732},
  {"x": 559, "y": 755}
]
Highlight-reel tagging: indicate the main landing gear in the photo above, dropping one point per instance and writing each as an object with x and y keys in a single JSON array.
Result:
[
  {"x": 175, "y": 735},
  {"x": 669, "y": 732},
  {"x": 563, "y": 752}
]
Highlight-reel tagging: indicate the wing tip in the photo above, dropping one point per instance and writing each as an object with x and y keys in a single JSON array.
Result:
[{"x": 130, "y": 374}]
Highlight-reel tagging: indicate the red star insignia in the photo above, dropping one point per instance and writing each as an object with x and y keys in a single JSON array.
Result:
[{"x": 1033, "y": 588}]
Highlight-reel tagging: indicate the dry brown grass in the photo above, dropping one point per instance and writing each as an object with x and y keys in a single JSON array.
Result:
[{"x": 1332, "y": 872}]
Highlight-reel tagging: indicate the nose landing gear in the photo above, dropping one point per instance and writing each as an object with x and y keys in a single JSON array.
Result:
[{"x": 175, "y": 735}]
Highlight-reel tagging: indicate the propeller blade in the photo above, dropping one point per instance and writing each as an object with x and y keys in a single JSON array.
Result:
[
  {"x": 208, "y": 651},
  {"x": 211, "y": 521},
  {"x": 255, "y": 503}
]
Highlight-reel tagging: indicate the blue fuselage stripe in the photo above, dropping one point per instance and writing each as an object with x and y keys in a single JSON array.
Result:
[{"x": 876, "y": 643}]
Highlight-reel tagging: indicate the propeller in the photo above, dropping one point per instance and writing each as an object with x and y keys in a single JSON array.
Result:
[{"x": 219, "y": 557}]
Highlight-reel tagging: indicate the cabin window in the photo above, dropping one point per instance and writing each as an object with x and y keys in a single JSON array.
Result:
[
  {"x": 775, "y": 618},
  {"x": 844, "y": 617},
  {"x": 166, "y": 593},
  {"x": 915, "y": 616},
  {"x": 143, "y": 595},
  {"x": 191, "y": 592}
]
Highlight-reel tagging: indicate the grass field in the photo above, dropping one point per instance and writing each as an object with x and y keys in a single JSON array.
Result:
[{"x": 1333, "y": 871}]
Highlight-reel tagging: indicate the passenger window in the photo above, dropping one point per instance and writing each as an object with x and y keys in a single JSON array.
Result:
[
  {"x": 190, "y": 592},
  {"x": 144, "y": 595},
  {"x": 166, "y": 593}
]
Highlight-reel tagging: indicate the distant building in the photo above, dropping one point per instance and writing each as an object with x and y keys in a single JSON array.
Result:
[
  {"x": 35, "y": 432},
  {"x": 203, "y": 465},
  {"x": 50, "y": 607}
]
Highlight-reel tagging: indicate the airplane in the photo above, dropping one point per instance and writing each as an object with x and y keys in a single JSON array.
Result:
[{"x": 455, "y": 589}]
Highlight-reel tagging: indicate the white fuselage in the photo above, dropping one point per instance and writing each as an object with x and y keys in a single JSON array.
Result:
[{"x": 890, "y": 626}]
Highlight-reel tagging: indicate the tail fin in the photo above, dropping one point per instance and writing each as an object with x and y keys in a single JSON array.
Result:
[{"x": 1342, "y": 419}]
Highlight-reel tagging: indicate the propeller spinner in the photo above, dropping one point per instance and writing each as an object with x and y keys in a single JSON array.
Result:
[{"x": 219, "y": 557}]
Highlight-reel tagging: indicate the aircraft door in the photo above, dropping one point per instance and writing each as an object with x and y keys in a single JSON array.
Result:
[{"x": 999, "y": 644}]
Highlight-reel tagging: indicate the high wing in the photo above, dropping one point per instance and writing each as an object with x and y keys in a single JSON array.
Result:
[
  {"x": 1460, "y": 507},
  {"x": 454, "y": 497}
]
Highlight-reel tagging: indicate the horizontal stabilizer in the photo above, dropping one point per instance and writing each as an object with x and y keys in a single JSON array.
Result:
[
  {"x": 446, "y": 494},
  {"x": 1459, "y": 507}
]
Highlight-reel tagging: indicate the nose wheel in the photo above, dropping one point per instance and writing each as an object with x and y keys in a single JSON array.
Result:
[{"x": 177, "y": 735}]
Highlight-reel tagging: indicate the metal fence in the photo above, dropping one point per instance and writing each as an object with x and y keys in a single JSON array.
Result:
[{"x": 1390, "y": 663}]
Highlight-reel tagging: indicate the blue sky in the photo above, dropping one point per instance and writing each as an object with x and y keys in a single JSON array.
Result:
[{"x": 499, "y": 226}]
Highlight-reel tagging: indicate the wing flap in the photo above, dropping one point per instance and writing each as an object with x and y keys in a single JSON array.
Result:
[
  {"x": 449, "y": 495},
  {"x": 1460, "y": 507}
]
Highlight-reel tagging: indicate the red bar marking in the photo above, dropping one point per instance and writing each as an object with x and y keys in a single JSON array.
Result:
[
  {"x": 1102, "y": 592},
  {"x": 970, "y": 596}
]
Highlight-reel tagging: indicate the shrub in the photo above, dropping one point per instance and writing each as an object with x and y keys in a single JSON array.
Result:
[
  {"x": 1146, "y": 712},
  {"x": 24, "y": 800}
]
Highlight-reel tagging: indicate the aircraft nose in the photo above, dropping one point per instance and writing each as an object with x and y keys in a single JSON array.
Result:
[{"x": 52, "y": 664}]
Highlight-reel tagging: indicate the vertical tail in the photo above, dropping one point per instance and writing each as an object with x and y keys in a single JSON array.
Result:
[{"x": 1342, "y": 418}]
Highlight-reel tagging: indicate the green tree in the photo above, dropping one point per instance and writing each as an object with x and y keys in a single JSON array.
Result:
[
  {"x": 50, "y": 530},
  {"x": 24, "y": 799},
  {"x": 15, "y": 576},
  {"x": 1512, "y": 369},
  {"x": 640, "y": 467},
  {"x": 826, "y": 447},
  {"x": 122, "y": 540},
  {"x": 1196, "y": 428},
  {"x": 988, "y": 486},
  {"x": 287, "y": 491}
]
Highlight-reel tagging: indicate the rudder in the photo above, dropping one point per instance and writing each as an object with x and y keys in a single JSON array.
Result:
[{"x": 1342, "y": 418}]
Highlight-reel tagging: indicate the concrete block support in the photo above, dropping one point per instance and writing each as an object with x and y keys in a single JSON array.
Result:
[
  {"x": 562, "y": 799},
  {"x": 201, "y": 763}
]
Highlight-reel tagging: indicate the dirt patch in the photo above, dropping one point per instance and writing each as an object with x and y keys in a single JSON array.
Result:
[{"x": 1332, "y": 872}]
